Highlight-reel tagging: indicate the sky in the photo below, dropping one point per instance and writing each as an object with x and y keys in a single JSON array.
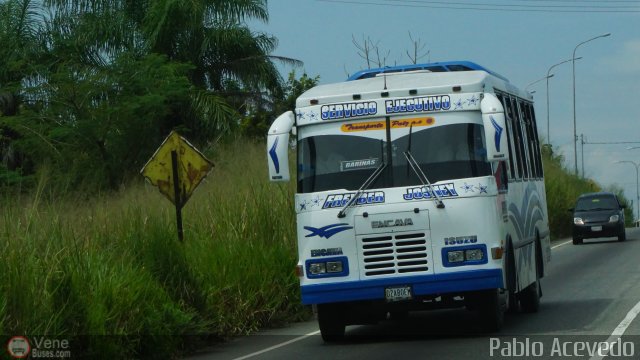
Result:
[{"x": 519, "y": 39}]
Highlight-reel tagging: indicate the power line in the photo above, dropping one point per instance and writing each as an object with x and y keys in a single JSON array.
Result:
[
  {"x": 486, "y": 7},
  {"x": 581, "y": 6},
  {"x": 610, "y": 142}
]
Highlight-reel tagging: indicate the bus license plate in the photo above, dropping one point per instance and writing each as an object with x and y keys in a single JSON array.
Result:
[
  {"x": 398, "y": 293},
  {"x": 596, "y": 228}
]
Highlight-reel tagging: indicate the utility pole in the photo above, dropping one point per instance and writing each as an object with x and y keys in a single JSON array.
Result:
[{"x": 582, "y": 152}]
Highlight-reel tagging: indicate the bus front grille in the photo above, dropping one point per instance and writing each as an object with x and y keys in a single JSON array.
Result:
[{"x": 387, "y": 254}]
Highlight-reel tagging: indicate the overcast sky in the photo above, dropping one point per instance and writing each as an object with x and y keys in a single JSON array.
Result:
[{"x": 520, "y": 39}]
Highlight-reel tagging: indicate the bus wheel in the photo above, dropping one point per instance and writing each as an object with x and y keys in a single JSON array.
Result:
[
  {"x": 577, "y": 241},
  {"x": 331, "y": 322},
  {"x": 530, "y": 296},
  {"x": 491, "y": 310}
]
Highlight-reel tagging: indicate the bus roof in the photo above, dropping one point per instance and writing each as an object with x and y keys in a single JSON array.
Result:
[
  {"x": 402, "y": 84},
  {"x": 445, "y": 66}
]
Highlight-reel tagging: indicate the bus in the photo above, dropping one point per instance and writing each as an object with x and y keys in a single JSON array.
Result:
[{"x": 418, "y": 187}]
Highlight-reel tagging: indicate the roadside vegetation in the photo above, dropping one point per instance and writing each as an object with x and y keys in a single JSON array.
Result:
[
  {"x": 112, "y": 265},
  {"x": 563, "y": 189}
]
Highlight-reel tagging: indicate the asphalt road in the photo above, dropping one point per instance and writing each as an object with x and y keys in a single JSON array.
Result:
[{"x": 591, "y": 296}]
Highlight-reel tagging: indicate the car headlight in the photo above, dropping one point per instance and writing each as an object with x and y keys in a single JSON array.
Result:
[
  {"x": 614, "y": 218},
  {"x": 578, "y": 221}
]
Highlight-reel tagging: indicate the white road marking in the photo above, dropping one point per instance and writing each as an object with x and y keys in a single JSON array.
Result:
[
  {"x": 278, "y": 345},
  {"x": 618, "y": 331},
  {"x": 564, "y": 243}
]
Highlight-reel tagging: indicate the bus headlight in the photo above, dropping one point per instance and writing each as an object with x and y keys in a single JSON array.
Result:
[
  {"x": 614, "y": 218},
  {"x": 317, "y": 268},
  {"x": 578, "y": 221},
  {"x": 334, "y": 266},
  {"x": 465, "y": 255},
  {"x": 327, "y": 267},
  {"x": 455, "y": 256},
  {"x": 474, "y": 254}
]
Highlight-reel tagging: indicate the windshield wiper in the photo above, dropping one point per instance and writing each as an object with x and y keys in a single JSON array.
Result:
[
  {"x": 423, "y": 178},
  {"x": 376, "y": 173}
]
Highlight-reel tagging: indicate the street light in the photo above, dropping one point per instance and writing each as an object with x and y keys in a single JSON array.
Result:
[
  {"x": 637, "y": 165},
  {"x": 548, "y": 76},
  {"x": 537, "y": 81},
  {"x": 575, "y": 136}
]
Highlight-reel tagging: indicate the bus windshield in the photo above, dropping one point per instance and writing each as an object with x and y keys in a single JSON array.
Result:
[{"x": 447, "y": 152}]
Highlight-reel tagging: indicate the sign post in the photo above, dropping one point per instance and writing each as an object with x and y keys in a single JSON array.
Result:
[{"x": 177, "y": 168}]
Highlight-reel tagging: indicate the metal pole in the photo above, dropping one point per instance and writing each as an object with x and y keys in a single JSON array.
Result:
[
  {"x": 575, "y": 135},
  {"x": 526, "y": 88},
  {"x": 637, "y": 193},
  {"x": 548, "y": 135},
  {"x": 549, "y": 72},
  {"x": 176, "y": 191},
  {"x": 582, "y": 152}
]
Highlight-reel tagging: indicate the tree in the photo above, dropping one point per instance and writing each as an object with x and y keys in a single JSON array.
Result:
[
  {"x": 259, "y": 117},
  {"x": 209, "y": 34},
  {"x": 93, "y": 86}
]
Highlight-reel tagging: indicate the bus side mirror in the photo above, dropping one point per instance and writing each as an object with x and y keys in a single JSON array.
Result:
[
  {"x": 278, "y": 147},
  {"x": 494, "y": 128}
]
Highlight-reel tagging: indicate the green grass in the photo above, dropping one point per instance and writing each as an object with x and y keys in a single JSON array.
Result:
[{"x": 113, "y": 265}]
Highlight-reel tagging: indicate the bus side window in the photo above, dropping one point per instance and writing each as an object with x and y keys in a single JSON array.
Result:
[
  {"x": 500, "y": 174},
  {"x": 525, "y": 137},
  {"x": 510, "y": 170}
]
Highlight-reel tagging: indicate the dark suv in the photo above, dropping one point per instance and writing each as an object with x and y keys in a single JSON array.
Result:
[{"x": 598, "y": 215}]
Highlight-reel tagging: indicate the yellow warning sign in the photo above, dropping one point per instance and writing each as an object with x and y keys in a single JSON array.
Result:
[{"x": 192, "y": 167}]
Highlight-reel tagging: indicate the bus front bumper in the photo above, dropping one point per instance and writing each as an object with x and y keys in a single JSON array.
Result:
[{"x": 450, "y": 283}]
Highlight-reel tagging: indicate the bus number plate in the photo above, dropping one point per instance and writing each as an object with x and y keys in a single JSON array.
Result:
[
  {"x": 596, "y": 228},
  {"x": 398, "y": 293}
]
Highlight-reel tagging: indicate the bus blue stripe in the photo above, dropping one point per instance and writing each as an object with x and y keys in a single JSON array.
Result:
[{"x": 422, "y": 285}]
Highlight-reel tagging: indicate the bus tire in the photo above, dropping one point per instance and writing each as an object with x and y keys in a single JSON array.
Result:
[
  {"x": 577, "y": 241},
  {"x": 530, "y": 296},
  {"x": 491, "y": 310},
  {"x": 512, "y": 299},
  {"x": 331, "y": 322}
]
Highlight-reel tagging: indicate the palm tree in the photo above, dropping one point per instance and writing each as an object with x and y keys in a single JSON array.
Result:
[
  {"x": 211, "y": 35},
  {"x": 20, "y": 34}
]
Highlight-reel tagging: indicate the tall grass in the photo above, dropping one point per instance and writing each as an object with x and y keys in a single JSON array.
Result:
[
  {"x": 562, "y": 189},
  {"x": 112, "y": 265}
]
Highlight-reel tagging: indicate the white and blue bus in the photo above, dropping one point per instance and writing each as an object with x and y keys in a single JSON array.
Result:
[{"x": 418, "y": 187}]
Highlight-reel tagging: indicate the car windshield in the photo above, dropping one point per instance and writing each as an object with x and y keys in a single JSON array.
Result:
[
  {"x": 597, "y": 203},
  {"x": 445, "y": 152}
]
